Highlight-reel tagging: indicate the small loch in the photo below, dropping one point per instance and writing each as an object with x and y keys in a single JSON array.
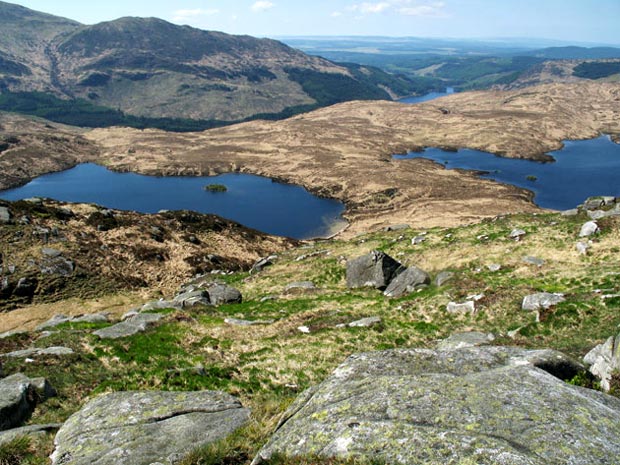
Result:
[
  {"x": 581, "y": 169},
  {"x": 254, "y": 201}
]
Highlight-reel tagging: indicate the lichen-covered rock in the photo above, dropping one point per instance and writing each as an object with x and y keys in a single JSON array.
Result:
[
  {"x": 466, "y": 339},
  {"x": 141, "y": 428},
  {"x": 17, "y": 400},
  {"x": 375, "y": 269},
  {"x": 407, "y": 281},
  {"x": 133, "y": 325},
  {"x": 604, "y": 360},
  {"x": 541, "y": 300},
  {"x": 191, "y": 298},
  {"x": 220, "y": 294},
  {"x": 482, "y": 405}
]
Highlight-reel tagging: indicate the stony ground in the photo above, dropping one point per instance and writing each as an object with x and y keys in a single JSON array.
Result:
[{"x": 303, "y": 332}]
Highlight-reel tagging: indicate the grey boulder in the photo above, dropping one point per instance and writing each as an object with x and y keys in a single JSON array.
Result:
[
  {"x": 604, "y": 361},
  {"x": 478, "y": 405},
  {"x": 5, "y": 215},
  {"x": 443, "y": 277},
  {"x": 141, "y": 428},
  {"x": 375, "y": 269},
  {"x": 133, "y": 325},
  {"x": 191, "y": 298},
  {"x": 588, "y": 229},
  {"x": 407, "y": 281},
  {"x": 541, "y": 300},
  {"x": 17, "y": 400},
  {"x": 220, "y": 294}
]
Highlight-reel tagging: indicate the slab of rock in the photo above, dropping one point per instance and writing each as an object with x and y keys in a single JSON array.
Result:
[
  {"x": 27, "y": 353},
  {"x": 133, "y": 325},
  {"x": 541, "y": 300},
  {"x": 156, "y": 305},
  {"x": 517, "y": 234},
  {"x": 31, "y": 431},
  {"x": 418, "y": 240},
  {"x": 262, "y": 263},
  {"x": 443, "y": 277},
  {"x": 588, "y": 229},
  {"x": 571, "y": 212},
  {"x": 533, "y": 261},
  {"x": 604, "y": 360},
  {"x": 478, "y": 405},
  {"x": 300, "y": 286},
  {"x": 49, "y": 252},
  {"x": 407, "y": 281},
  {"x": 464, "y": 307},
  {"x": 396, "y": 227},
  {"x": 494, "y": 267},
  {"x": 142, "y": 428},
  {"x": 17, "y": 400},
  {"x": 5, "y": 215},
  {"x": 54, "y": 321},
  {"x": 375, "y": 269},
  {"x": 582, "y": 248},
  {"x": 191, "y": 299},
  {"x": 365, "y": 322},
  {"x": 220, "y": 294},
  {"x": 467, "y": 339},
  {"x": 239, "y": 322}
]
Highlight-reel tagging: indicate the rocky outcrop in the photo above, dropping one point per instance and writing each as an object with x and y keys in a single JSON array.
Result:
[
  {"x": 487, "y": 405},
  {"x": 143, "y": 428},
  {"x": 407, "y": 281},
  {"x": 541, "y": 300},
  {"x": 375, "y": 269}
]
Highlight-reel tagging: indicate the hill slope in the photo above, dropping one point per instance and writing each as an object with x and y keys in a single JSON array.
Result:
[{"x": 148, "y": 67}]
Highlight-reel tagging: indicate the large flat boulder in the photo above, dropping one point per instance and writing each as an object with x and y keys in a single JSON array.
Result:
[
  {"x": 482, "y": 405},
  {"x": 141, "y": 428},
  {"x": 407, "y": 282},
  {"x": 18, "y": 400}
]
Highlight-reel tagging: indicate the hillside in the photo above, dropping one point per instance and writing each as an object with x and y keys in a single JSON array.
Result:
[
  {"x": 299, "y": 320},
  {"x": 148, "y": 69}
]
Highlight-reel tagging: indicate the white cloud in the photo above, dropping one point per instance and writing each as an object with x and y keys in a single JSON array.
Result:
[
  {"x": 182, "y": 16},
  {"x": 262, "y": 5},
  {"x": 402, "y": 7},
  {"x": 336, "y": 14}
]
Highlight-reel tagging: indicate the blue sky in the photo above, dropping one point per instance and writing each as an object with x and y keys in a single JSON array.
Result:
[{"x": 596, "y": 21}]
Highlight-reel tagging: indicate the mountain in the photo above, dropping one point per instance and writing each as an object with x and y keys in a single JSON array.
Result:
[
  {"x": 151, "y": 69},
  {"x": 574, "y": 53}
]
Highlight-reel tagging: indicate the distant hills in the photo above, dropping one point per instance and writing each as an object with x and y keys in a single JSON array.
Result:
[
  {"x": 146, "y": 72},
  {"x": 574, "y": 53}
]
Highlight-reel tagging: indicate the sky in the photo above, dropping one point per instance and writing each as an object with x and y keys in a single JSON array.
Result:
[{"x": 577, "y": 21}]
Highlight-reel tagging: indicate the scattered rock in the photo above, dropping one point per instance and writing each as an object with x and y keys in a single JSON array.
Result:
[
  {"x": 268, "y": 298},
  {"x": 17, "y": 400},
  {"x": 407, "y": 281},
  {"x": 49, "y": 252},
  {"x": 443, "y": 277},
  {"x": 582, "y": 248},
  {"x": 418, "y": 240},
  {"x": 465, "y": 307},
  {"x": 58, "y": 265},
  {"x": 156, "y": 305},
  {"x": 36, "y": 352},
  {"x": 130, "y": 326},
  {"x": 375, "y": 269},
  {"x": 31, "y": 431},
  {"x": 54, "y": 321},
  {"x": 533, "y": 261},
  {"x": 5, "y": 215},
  {"x": 571, "y": 212},
  {"x": 596, "y": 214},
  {"x": 238, "y": 322},
  {"x": 593, "y": 203},
  {"x": 467, "y": 339},
  {"x": 541, "y": 300},
  {"x": 517, "y": 234},
  {"x": 365, "y": 322},
  {"x": 220, "y": 294},
  {"x": 142, "y": 428},
  {"x": 262, "y": 263},
  {"x": 92, "y": 318},
  {"x": 300, "y": 286},
  {"x": 604, "y": 360},
  {"x": 588, "y": 229},
  {"x": 191, "y": 299},
  {"x": 26, "y": 287},
  {"x": 396, "y": 227},
  {"x": 57, "y": 320},
  {"x": 303, "y": 329},
  {"x": 473, "y": 405},
  {"x": 15, "y": 332},
  {"x": 494, "y": 267}
]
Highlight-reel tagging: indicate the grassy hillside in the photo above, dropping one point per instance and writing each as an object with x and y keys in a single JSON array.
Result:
[{"x": 269, "y": 364}]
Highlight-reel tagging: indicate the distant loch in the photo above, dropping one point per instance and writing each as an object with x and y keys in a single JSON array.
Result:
[{"x": 581, "y": 169}]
